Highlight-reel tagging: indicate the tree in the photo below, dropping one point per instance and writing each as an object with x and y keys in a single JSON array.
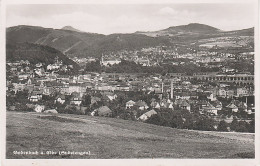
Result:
[
  {"x": 86, "y": 100},
  {"x": 222, "y": 126},
  {"x": 155, "y": 119},
  {"x": 234, "y": 124},
  {"x": 205, "y": 124},
  {"x": 251, "y": 126},
  {"x": 242, "y": 126}
]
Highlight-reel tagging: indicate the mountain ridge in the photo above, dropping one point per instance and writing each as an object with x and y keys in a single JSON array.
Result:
[{"x": 84, "y": 44}]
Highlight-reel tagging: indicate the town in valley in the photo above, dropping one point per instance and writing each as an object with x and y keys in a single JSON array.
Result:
[{"x": 206, "y": 84}]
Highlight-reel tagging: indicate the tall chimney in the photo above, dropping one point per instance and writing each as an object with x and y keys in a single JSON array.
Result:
[
  {"x": 162, "y": 86},
  {"x": 171, "y": 89}
]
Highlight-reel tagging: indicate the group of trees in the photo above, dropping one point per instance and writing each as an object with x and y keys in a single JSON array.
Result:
[
  {"x": 131, "y": 67},
  {"x": 183, "y": 119},
  {"x": 242, "y": 126}
]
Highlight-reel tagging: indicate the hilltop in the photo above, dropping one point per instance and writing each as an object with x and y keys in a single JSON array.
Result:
[{"x": 70, "y": 28}]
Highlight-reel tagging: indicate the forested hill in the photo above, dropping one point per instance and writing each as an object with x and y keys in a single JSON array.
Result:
[
  {"x": 76, "y": 43},
  {"x": 35, "y": 53}
]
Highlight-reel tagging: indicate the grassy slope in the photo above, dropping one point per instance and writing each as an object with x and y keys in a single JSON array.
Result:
[{"x": 116, "y": 138}]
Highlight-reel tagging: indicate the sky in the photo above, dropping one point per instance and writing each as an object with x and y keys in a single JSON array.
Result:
[{"x": 129, "y": 18}]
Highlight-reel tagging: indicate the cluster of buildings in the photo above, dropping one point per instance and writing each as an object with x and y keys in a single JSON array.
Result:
[
  {"x": 200, "y": 91},
  {"x": 162, "y": 55},
  {"x": 175, "y": 90}
]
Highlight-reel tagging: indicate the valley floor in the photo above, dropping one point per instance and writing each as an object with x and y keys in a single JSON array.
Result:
[{"x": 106, "y": 138}]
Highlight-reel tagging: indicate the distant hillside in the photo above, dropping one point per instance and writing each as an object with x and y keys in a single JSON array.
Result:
[
  {"x": 193, "y": 27},
  {"x": 79, "y": 43},
  {"x": 35, "y": 53},
  {"x": 73, "y": 42},
  {"x": 197, "y": 31}
]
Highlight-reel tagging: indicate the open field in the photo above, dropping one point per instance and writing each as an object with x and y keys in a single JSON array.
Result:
[{"x": 116, "y": 138}]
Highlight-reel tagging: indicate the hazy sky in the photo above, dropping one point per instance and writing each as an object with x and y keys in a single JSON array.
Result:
[{"x": 128, "y": 18}]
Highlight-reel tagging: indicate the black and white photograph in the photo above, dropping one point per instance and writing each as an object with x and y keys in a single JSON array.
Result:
[{"x": 130, "y": 80}]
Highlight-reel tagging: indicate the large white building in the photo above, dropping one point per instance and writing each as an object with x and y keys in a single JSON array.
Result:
[{"x": 109, "y": 61}]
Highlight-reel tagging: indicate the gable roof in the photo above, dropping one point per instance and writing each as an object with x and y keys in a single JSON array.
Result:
[
  {"x": 61, "y": 96},
  {"x": 141, "y": 103},
  {"x": 130, "y": 102}
]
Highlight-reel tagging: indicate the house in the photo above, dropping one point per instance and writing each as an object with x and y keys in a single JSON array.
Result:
[
  {"x": 147, "y": 115},
  {"x": 210, "y": 109},
  {"x": 19, "y": 86},
  {"x": 141, "y": 105},
  {"x": 60, "y": 99},
  {"x": 48, "y": 89},
  {"x": 232, "y": 107},
  {"x": 94, "y": 100},
  {"x": 129, "y": 104},
  {"x": 73, "y": 87},
  {"x": 35, "y": 96},
  {"x": 102, "y": 111},
  {"x": 202, "y": 104},
  {"x": 39, "y": 108},
  {"x": 217, "y": 104},
  {"x": 241, "y": 92},
  {"x": 194, "y": 95},
  {"x": 112, "y": 96},
  {"x": 155, "y": 104},
  {"x": 76, "y": 99},
  {"x": 53, "y": 66},
  {"x": 222, "y": 92},
  {"x": 182, "y": 95},
  {"x": 108, "y": 62},
  {"x": 236, "y": 105},
  {"x": 183, "y": 104},
  {"x": 211, "y": 96},
  {"x": 168, "y": 105}
]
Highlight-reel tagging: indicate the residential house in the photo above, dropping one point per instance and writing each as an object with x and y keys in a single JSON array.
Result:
[
  {"x": 210, "y": 109},
  {"x": 237, "y": 105},
  {"x": 35, "y": 96},
  {"x": 39, "y": 108},
  {"x": 60, "y": 99},
  {"x": 232, "y": 107},
  {"x": 147, "y": 115},
  {"x": 76, "y": 99},
  {"x": 183, "y": 104},
  {"x": 217, "y": 104},
  {"x": 155, "y": 104},
  {"x": 94, "y": 100},
  {"x": 110, "y": 95},
  {"x": 19, "y": 86},
  {"x": 141, "y": 105},
  {"x": 182, "y": 95},
  {"x": 130, "y": 104},
  {"x": 241, "y": 91},
  {"x": 211, "y": 96}
]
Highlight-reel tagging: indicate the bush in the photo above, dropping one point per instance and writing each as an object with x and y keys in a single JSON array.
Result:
[
  {"x": 242, "y": 126},
  {"x": 234, "y": 124},
  {"x": 222, "y": 126}
]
